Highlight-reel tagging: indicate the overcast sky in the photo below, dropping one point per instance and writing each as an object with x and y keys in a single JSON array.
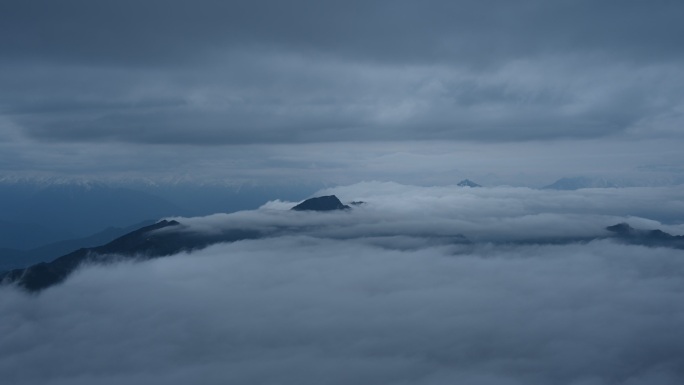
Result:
[{"x": 416, "y": 91}]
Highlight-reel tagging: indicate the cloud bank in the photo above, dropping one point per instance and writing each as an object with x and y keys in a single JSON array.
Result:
[
  {"x": 299, "y": 310},
  {"x": 326, "y": 93},
  {"x": 265, "y": 72},
  {"x": 502, "y": 214},
  {"x": 374, "y": 295}
]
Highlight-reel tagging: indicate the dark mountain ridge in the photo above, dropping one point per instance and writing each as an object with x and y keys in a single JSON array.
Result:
[
  {"x": 652, "y": 238},
  {"x": 15, "y": 259},
  {"x": 145, "y": 243},
  {"x": 468, "y": 183},
  {"x": 324, "y": 203},
  {"x": 168, "y": 237}
]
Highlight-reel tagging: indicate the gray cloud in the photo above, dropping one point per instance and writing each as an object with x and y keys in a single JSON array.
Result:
[
  {"x": 499, "y": 215},
  {"x": 160, "y": 32},
  {"x": 337, "y": 92},
  {"x": 338, "y": 312},
  {"x": 375, "y": 295},
  {"x": 267, "y": 72},
  {"x": 533, "y": 164},
  {"x": 295, "y": 100}
]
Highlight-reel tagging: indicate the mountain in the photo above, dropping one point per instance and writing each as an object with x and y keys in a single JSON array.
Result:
[
  {"x": 160, "y": 239},
  {"x": 580, "y": 182},
  {"x": 15, "y": 259},
  {"x": 145, "y": 243},
  {"x": 38, "y": 212},
  {"x": 650, "y": 238},
  {"x": 324, "y": 203},
  {"x": 168, "y": 237},
  {"x": 468, "y": 183},
  {"x": 206, "y": 199}
]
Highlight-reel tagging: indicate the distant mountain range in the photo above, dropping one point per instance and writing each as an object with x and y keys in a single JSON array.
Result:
[
  {"x": 653, "y": 238},
  {"x": 144, "y": 243},
  {"x": 169, "y": 237},
  {"x": 39, "y": 213}
]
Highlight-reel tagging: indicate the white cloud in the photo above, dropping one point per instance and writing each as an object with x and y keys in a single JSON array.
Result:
[
  {"x": 300, "y": 310},
  {"x": 480, "y": 214},
  {"x": 380, "y": 294}
]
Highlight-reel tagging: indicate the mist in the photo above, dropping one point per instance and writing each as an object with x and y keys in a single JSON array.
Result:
[
  {"x": 298, "y": 310},
  {"x": 385, "y": 293},
  {"x": 222, "y": 115}
]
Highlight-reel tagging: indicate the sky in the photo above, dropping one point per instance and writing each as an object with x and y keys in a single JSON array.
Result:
[
  {"x": 387, "y": 102},
  {"x": 519, "y": 93},
  {"x": 389, "y": 292}
]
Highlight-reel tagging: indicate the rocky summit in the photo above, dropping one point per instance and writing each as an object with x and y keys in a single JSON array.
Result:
[
  {"x": 324, "y": 203},
  {"x": 468, "y": 183}
]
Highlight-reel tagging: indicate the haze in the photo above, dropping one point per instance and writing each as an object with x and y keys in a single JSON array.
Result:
[{"x": 223, "y": 115}]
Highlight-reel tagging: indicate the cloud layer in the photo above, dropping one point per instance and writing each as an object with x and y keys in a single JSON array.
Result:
[
  {"x": 265, "y": 72},
  {"x": 316, "y": 90},
  {"x": 375, "y": 295},
  {"x": 502, "y": 214},
  {"x": 532, "y": 164},
  {"x": 298, "y": 310}
]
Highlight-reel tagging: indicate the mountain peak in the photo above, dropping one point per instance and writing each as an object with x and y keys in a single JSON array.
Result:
[
  {"x": 42, "y": 275},
  {"x": 651, "y": 238},
  {"x": 324, "y": 203},
  {"x": 468, "y": 183},
  {"x": 621, "y": 228}
]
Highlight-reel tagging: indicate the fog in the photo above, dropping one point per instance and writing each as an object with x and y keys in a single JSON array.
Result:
[
  {"x": 383, "y": 294},
  {"x": 481, "y": 214}
]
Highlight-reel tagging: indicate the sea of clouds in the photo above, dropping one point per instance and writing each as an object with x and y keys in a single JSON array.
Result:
[{"x": 419, "y": 285}]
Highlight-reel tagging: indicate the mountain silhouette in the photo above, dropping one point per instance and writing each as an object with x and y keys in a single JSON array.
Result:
[
  {"x": 651, "y": 238},
  {"x": 168, "y": 237},
  {"x": 145, "y": 243},
  {"x": 468, "y": 183},
  {"x": 163, "y": 238},
  {"x": 16, "y": 259},
  {"x": 324, "y": 203}
]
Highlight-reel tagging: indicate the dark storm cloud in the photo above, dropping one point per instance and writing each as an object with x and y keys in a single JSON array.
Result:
[
  {"x": 131, "y": 32},
  {"x": 215, "y": 72}
]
